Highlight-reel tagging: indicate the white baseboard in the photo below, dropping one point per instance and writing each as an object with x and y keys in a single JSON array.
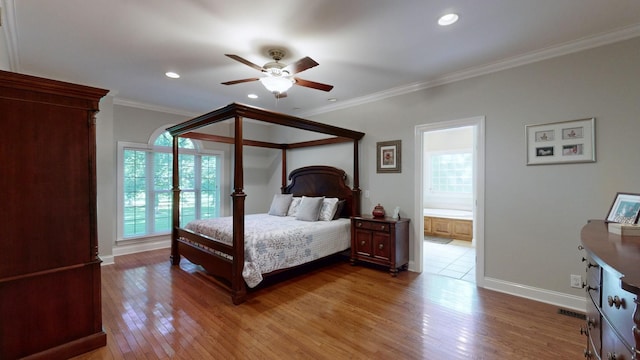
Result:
[
  {"x": 107, "y": 260},
  {"x": 578, "y": 303},
  {"x": 133, "y": 248},
  {"x": 570, "y": 302}
]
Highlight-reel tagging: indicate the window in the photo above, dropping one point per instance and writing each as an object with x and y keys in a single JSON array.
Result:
[
  {"x": 145, "y": 197},
  {"x": 452, "y": 173}
]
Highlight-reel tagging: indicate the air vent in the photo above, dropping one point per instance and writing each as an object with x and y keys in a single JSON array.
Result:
[{"x": 572, "y": 314}]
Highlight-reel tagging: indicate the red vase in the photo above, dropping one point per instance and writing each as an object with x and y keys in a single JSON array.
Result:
[{"x": 378, "y": 211}]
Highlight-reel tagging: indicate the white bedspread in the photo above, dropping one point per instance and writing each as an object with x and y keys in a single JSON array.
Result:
[{"x": 278, "y": 242}]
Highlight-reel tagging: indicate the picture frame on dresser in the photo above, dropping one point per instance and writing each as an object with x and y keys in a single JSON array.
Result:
[
  {"x": 625, "y": 209},
  {"x": 561, "y": 142}
]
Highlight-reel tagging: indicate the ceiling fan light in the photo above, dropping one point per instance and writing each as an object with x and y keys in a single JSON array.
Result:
[{"x": 277, "y": 84}]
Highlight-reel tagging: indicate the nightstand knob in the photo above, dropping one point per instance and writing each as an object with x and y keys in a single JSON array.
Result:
[
  {"x": 359, "y": 224},
  {"x": 381, "y": 246},
  {"x": 382, "y": 227},
  {"x": 363, "y": 242}
]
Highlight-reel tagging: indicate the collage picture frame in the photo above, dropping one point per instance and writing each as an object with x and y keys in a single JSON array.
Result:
[{"x": 561, "y": 142}]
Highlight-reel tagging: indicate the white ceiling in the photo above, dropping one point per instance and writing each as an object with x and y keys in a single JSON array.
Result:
[{"x": 367, "y": 49}]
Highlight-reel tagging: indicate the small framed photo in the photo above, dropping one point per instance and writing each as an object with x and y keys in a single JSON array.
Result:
[
  {"x": 625, "y": 209},
  {"x": 561, "y": 142},
  {"x": 388, "y": 158}
]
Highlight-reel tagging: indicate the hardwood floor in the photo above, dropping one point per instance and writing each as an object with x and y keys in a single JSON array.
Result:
[{"x": 152, "y": 310}]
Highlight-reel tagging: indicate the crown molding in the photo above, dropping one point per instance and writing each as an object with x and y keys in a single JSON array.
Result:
[
  {"x": 152, "y": 107},
  {"x": 570, "y": 47}
]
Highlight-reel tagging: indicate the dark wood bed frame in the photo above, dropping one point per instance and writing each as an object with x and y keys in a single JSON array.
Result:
[{"x": 226, "y": 261}]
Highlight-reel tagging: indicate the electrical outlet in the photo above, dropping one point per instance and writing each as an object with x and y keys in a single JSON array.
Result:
[
  {"x": 366, "y": 194},
  {"x": 576, "y": 281}
]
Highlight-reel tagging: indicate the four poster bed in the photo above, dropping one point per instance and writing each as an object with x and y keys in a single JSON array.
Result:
[{"x": 218, "y": 245}]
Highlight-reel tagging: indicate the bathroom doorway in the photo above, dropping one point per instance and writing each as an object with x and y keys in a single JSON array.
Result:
[{"x": 450, "y": 194}]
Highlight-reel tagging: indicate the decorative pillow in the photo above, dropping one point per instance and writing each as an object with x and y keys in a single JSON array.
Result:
[
  {"x": 293, "y": 208},
  {"x": 280, "y": 204},
  {"x": 309, "y": 208},
  {"x": 328, "y": 209},
  {"x": 339, "y": 207}
]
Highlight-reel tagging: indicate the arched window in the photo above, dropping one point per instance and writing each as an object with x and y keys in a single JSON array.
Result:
[{"x": 146, "y": 180}]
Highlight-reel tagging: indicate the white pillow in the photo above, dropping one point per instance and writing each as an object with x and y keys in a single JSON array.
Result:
[
  {"x": 293, "y": 207},
  {"x": 309, "y": 208},
  {"x": 280, "y": 204},
  {"x": 328, "y": 209}
]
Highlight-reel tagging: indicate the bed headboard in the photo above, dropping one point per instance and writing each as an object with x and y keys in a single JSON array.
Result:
[{"x": 324, "y": 181}]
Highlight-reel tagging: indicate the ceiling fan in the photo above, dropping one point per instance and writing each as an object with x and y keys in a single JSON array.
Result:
[{"x": 280, "y": 77}]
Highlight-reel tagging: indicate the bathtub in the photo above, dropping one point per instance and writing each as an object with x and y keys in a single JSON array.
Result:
[{"x": 453, "y": 224}]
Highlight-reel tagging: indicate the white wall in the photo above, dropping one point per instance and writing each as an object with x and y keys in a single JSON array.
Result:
[
  {"x": 4, "y": 50},
  {"x": 533, "y": 214}
]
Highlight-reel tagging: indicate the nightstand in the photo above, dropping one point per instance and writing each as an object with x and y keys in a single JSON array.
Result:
[{"x": 382, "y": 241}]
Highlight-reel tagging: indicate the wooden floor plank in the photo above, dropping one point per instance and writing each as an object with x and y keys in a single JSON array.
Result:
[{"x": 152, "y": 310}]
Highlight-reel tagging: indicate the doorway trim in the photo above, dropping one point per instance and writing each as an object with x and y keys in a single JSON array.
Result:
[{"x": 478, "y": 188}]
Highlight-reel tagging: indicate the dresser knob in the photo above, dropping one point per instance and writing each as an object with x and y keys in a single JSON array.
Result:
[
  {"x": 381, "y": 246},
  {"x": 615, "y": 301},
  {"x": 362, "y": 242}
]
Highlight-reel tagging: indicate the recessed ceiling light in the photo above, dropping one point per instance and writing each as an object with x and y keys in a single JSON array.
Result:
[
  {"x": 447, "y": 19},
  {"x": 252, "y": 96},
  {"x": 171, "y": 74}
]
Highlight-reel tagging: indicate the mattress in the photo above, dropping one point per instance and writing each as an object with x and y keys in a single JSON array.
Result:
[{"x": 278, "y": 242}]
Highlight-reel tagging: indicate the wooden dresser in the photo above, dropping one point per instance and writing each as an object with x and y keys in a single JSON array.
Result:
[
  {"x": 613, "y": 287},
  {"x": 50, "y": 300},
  {"x": 382, "y": 241}
]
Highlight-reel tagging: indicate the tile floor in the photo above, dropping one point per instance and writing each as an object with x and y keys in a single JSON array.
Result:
[{"x": 456, "y": 259}]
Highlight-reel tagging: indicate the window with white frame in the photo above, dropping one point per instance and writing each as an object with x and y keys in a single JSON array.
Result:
[{"x": 145, "y": 180}]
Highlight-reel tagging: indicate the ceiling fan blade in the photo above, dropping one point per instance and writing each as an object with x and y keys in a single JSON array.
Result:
[
  {"x": 301, "y": 65},
  {"x": 232, "y": 82},
  {"x": 245, "y": 61},
  {"x": 313, "y": 84}
]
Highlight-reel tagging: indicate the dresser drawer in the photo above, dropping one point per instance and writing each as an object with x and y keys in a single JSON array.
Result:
[
  {"x": 618, "y": 305},
  {"x": 593, "y": 325},
  {"x": 612, "y": 346},
  {"x": 372, "y": 225}
]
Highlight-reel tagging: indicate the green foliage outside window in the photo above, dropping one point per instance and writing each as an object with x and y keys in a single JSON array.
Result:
[{"x": 147, "y": 183}]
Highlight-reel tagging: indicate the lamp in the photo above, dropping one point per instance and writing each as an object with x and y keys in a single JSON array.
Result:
[{"x": 277, "y": 84}]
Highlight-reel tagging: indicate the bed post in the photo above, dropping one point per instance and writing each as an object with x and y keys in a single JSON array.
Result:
[
  {"x": 238, "y": 287},
  {"x": 284, "y": 170},
  {"x": 175, "y": 217},
  {"x": 355, "y": 211}
]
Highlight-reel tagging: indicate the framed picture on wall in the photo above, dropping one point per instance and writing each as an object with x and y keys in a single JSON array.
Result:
[
  {"x": 388, "y": 158},
  {"x": 561, "y": 142},
  {"x": 625, "y": 209}
]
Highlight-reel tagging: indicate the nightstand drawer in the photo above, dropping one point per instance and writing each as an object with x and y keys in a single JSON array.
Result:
[{"x": 371, "y": 225}]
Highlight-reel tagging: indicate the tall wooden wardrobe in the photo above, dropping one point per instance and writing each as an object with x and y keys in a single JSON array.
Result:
[{"x": 50, "y": 301}]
